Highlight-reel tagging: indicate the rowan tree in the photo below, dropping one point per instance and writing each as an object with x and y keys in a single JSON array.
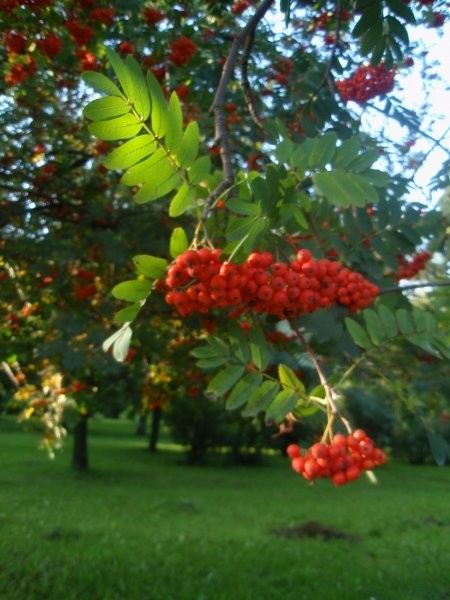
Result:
[{"x": 225, "y": 151}]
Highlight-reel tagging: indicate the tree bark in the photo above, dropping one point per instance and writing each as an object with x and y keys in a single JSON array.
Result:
[
  {"x": 80, "y": 447},
  {"x": 141, "y": 426},
  {"x": 154, "y": 432}
]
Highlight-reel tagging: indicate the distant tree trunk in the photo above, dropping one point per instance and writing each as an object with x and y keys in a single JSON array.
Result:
[
  {"x": 80, "y": 448},
  {"x": 141, "y": 426},
  {"x": 154, "y": 433}
]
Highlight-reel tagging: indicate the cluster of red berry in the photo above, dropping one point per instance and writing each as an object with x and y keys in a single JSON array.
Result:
[
  {"x": 342, "y": 461},
  {"x": 200, "y": 280},
  {"x": 408, "y": 269},
  {"x": 367, "y": 82}
]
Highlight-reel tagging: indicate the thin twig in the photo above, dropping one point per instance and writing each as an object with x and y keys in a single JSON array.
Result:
[
  {"x": 414, "y": 286},
  {"x": 246, "y": 88},
  {"x": 217, "y": 107}
]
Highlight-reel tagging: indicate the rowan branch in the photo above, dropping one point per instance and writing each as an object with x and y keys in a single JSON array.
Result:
[
  {"x": 217, "y": 107},
  {"x": 414, "y": 286},
  {"x": 246, "y": 88}
]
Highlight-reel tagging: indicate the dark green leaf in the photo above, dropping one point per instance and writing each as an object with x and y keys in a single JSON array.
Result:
[
  {"x": 239, "y": 207},
  {"x": 259, "y": 350},
  {"x": 347, "y": 152},
  {"x": 238, "y": 343},
  {"x": 399, "y": 8},
  {"x": 284, "y": 403},
  {"x": 211, "y": 363},
  {"x": 374, "y": 326},
  {"x": 261, "y": 398},
  {"x": 322, "y": 150},
  {"x": 404, "y": 321},
  {"x": 243, "y": 390},
  {"x": 225, "y": 380},
  {"x": 388, "y": 321},
  {"x": 359, "y": 336},
  {"x": 363, "y": 161}
]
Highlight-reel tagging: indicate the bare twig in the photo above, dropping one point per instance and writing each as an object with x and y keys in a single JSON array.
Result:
[
  {"x": 415, "y": 286},
  {"x": 217, "y": 107},
  {"x": 246, "y": 88}
]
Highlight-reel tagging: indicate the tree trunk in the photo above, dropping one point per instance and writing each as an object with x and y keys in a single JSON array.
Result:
[
  {"x": 140, "y": 429},
  {"x": 154, "y": 433},
  {"x": 80, "y": 448}
]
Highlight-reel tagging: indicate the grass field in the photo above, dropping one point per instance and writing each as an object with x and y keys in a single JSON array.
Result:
[{"x": 147, "y": 527}]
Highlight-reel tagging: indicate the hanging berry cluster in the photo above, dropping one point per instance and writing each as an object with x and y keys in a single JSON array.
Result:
[
  {"x": 342, "y": 460},
  {"x": 366, "y": 83},
  {"x": 200, "y": 280},
  {"x": 408, "y": 269}
]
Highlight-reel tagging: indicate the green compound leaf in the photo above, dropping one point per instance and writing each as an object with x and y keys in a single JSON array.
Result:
[
  {"x": 132, "y": 291},
  {"x": 186, "y": 151},
  {"x": 183, "y": 199},
  {"x": 259, "y": 349},
  {"x": 225, "y": 380},
  {"x": 289, "y": 379},
  {"x": 239, "y": 346},
  {"x": 131, "y": 152},
  {"x": 121, "y": 71},
  {"x": 374, "y": 326},
  {"x": 284, "y": 403},
  {"x": 155, "y": 168},
  {"x": 243, "y": 390},
  {"x": 100, "y": 83},
  {"x": 140, "y": 97},
  {"x": 347, "y": 152},
  {"x": 344, "y": 189},
  {"x": 261, "y": 398},
  {"x": 156, "y": 188},
  {"x": 178, "y": 242},
  {"x": 322, "y": 150},
  {"x": 106, "y": 108},
  {"x": 388, "y": 320},
  {"x": 159, "y": 113},
  {"x": 175, "y": 119},
  {"x": 120, "y": 128},
  {"x": 404, "y": 321},
  {"x": 358, "y": 334},
  {"x": 200, "y": 170},
  {"x": 152, "y": 267}
]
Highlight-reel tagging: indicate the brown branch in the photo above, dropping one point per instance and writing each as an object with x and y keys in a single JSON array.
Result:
[
  {"x": 414, "y": 286},
  {"x": 217, "y": 107},
  {"x": 246, "y": 88}
]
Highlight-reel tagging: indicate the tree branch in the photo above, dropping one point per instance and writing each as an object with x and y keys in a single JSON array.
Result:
[
  {"x": 217, "y": 107},
  {"x": 415, "y": 286}
]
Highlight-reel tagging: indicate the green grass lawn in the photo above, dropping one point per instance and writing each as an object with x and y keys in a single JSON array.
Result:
[{"x": 147, "y": 527}]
